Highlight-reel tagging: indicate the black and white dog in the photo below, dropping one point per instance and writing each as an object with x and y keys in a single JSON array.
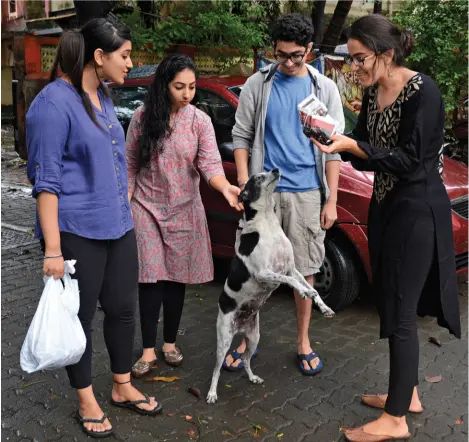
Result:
[{"x": 263, "y": 261}]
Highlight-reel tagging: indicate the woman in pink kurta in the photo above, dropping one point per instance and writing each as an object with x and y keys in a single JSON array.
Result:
[{"x": 169, "y": 142}]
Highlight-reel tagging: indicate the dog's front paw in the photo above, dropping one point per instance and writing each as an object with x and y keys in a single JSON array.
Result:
[
  {"x": 327, "y": 312},
  {"x": 256, "y": 379},
  {"x": 212, "y": 398}
]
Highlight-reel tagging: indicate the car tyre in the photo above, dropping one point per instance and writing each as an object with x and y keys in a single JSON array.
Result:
[{"x": 338, "y": 281}]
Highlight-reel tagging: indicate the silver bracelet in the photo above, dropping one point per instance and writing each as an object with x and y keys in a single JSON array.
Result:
[{"x": 52, "y": 257}]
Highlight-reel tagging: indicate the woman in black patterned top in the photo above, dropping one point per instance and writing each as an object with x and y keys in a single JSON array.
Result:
[{"x": 399, "y": 136}]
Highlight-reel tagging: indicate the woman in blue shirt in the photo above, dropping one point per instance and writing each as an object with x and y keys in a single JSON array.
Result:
[{"x": 76, "y": 163}]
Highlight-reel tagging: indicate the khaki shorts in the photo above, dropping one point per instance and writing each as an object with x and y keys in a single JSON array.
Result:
[{"x": 299, "y": 214}]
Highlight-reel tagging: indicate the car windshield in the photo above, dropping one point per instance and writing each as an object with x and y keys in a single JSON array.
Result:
[
  {"x": 236, "y": 90},
  {"x": 127, "y": 100}
]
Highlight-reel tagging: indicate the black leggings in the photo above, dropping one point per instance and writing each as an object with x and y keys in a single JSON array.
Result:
[
  {"x": 418, "y": 269},
  {"x": 151, "y": 296},
  {"x": 106, "y": 270}
]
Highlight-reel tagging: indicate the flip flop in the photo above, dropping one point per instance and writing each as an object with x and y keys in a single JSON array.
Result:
[
  {"x": 132, "y": 405},
  {"x": 309, "y": 358},
  {"x": 235, "y": 355},
  {"x": 94, "y": 434}
]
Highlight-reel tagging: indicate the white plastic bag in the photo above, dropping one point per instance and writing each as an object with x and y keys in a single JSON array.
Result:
[{"x": 55, "y": 337}]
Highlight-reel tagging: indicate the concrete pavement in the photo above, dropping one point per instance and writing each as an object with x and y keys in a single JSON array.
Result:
[{"x": 287, "y": 407}]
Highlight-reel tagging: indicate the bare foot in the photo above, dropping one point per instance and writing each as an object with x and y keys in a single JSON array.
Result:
[
  {"x": 168, "y": 347},
  {"x": 386, "y": 425},
  {"x": 90, "y": 409},
  {"x": 305, "y": 349},
  {"x": 127, "y": 392},
  {"x": 149, "y": 355},
  {"x": 415, "y": 405},
  {"x": 230, "y": 362}
]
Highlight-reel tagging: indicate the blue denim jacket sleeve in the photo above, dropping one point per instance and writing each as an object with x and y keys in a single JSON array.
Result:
[{"x": 47, "y": 131}]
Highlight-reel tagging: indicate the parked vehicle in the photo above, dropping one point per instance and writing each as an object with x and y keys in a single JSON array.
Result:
[
  {"x": 457, "y": 149},
  {"x": 346, "y": 266}
]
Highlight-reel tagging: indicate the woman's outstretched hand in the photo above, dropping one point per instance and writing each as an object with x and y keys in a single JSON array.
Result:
[
  {"x": 341, "y": 143},
  {"x": 231, "y": 193}
]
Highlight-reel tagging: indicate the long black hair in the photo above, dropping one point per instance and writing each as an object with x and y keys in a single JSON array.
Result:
[
  {"x": 76, "y": 49},
  {"x": 155, "y": 123},
  {"x": 379, "y": 34}
]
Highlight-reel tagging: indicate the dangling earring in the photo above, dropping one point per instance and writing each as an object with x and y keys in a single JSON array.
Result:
[
  {"x": 390, "y": 71},
  {"x": 100, "y": 74}
]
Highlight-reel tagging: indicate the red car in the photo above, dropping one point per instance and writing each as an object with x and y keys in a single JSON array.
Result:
[{"x": 346, "y": 267}]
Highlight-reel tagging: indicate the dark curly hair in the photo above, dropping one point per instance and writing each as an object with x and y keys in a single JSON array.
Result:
[
  {"x": 293, "y": 28},
  {"x": 155, "y": 125}
]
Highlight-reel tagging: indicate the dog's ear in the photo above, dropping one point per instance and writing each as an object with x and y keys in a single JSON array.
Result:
[{"x": 243, "y": 197}]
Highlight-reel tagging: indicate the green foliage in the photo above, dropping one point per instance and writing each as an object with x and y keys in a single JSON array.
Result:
[
  {"x": 210, "y": 24},
  {"x": 441, "y": 33},
  {"x": 34, "y": 9}
]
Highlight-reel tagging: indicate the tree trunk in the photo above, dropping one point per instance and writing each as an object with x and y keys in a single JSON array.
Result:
[
  {"x": 377, "y": 7},
  {"x": 317, "y": 16},
  {"x": 87, "y": 10},
  {"x": 336, "y": 25},
  {"x": 148, "y": 12}
]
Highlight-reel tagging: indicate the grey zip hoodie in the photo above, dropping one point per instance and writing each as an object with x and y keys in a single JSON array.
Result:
[{"x": 248, "y": 131}]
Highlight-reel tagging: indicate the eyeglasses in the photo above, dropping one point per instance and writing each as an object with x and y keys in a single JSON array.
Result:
[
  {"x": 357, "y": 61},
  {"x": 295, "y": 58}
]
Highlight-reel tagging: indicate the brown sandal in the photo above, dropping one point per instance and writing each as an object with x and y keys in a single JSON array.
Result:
[
  {"x": 373, "y": 400},
  {"x": 174, "y": 357},
  {"x": 141, "y": 368}
]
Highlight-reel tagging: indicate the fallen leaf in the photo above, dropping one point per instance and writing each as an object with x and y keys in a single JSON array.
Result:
[
  {"x": 433, "y": 379},
  {"x": 170, "y": 414},
  {"x": 195, "y": 391},
  {"x": 226, "y": 433},
  {"x": 317, "y": 342},
  {"x": 434, "y": 340},
  {"x": 459, "y": 421},
  {"x": 188, "y": 418},
  {"x": 256, "y": 426},
  {"x": 192, "y": 433},
  {"x": 279, "y": 435},
  {"x": 53, "y": 396},
  {"x": 163, "y": 379},
  {"x": 227, "y": 385}
]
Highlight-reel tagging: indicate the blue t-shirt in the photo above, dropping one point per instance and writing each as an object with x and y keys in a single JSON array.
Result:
[{"x": 286, "y": 147}]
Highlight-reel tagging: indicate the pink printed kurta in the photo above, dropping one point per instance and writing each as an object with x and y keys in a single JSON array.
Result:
[{"x": 170, "y": 223}]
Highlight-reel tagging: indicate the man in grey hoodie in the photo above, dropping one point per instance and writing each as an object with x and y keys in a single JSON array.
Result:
[{"x": 268, "y": 134}]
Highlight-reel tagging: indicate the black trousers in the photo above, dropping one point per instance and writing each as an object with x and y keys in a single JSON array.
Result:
[
  {"x": 106, "y": 270},
  {"x": 418, "y": 268},
  {"x": 151, "y": 295}
]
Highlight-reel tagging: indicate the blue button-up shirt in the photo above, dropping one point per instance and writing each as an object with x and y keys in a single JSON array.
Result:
[{"x": 84, "y": 165}]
